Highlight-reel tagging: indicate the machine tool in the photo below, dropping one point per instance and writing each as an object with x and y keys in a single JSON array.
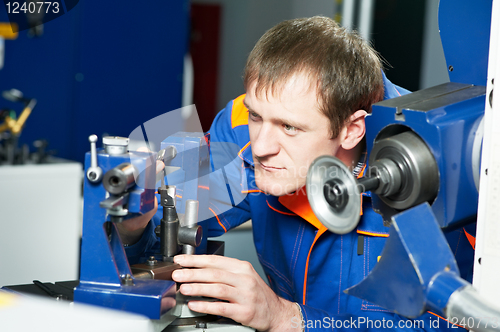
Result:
[
  {"x": 423, "y": 177},
  {"x": 112, "y": 194},
  {"x": 122, "y": 184},
  {"x": 11, "y": 127}
]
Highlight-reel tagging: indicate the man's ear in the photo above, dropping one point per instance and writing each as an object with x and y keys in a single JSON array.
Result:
[{"x": 354, "y": 130}]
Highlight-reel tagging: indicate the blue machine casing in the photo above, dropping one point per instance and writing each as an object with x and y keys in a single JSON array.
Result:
[
  {"x": 415, "y": 264},
  {"x": 446, "y": 118},
  {"x": 464, "y": 26}
]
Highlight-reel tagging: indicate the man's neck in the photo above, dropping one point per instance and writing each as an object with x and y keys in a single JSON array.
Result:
[{"x": 351, "y": 157}]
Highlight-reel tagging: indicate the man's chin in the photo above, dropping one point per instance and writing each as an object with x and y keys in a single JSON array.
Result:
[{"x": 276, "y": 189}]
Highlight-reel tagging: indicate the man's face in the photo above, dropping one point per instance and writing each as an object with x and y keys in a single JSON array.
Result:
[{"x": 287, "y": 132}]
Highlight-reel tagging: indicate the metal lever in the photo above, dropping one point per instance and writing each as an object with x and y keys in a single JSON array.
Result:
[
  {"x": 94, "y": 172},
  {"x": 114, "y": 206},
  {"x": 165, "y": 155}
]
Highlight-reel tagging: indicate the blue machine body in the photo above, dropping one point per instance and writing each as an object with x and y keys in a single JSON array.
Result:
[
  {"x": 464, "y": 26},
  {"x": 103, "y": 260},
  {"x": 417, "y": 270},
  {"x": 446, "y": 118}
]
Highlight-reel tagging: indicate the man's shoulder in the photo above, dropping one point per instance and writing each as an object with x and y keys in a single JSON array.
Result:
[
  {"x": 392, "y": 90},
  {"x": 239, "y": 112},
  {"x": 233, "y": 116},
  {"x": 230, "y": 127}
]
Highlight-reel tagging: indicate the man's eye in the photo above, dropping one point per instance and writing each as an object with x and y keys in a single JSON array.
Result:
[
  {"x": 289, "y": 129},
  {"x": 253, "y": 116}
]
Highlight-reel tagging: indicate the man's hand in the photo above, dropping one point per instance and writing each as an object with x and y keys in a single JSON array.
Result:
[
  {"x": 250, "y": 301},
  {"x": 131, "y": 229}
]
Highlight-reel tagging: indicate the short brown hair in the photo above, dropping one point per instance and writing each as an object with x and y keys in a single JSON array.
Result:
[{"x": 345, "y": 68}]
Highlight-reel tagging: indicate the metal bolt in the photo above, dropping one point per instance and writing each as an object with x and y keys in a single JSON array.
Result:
[
  {"x": 201, "y": 325},
  {"x": 450, "y": 68},
  {"x": 127, "y": 280},
  {"x": 152, "y": 260}
]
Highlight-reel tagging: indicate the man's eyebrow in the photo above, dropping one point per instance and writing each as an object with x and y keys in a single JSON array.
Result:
[
  {"x": 249, "y": 108},
  {"x": 281, "y": 120},
  {"x": 292, "y": 123},
  {"x": 245, "y": 103}
]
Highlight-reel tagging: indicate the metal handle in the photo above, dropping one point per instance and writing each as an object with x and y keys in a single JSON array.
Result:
[
  {"x": 466, "y": 306},
  {"x": 94, "y": 172}
]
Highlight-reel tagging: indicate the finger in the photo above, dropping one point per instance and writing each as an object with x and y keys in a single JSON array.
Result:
[
  {"x": 167, "y": 303},
  {"x": 228, "y": 310},
  {"x": 234, "y": 311},
  {"x": 159, "y": 166},
  {"x": 207, "y": 275},
  {"x": 214, "y": 261},
  {"x": 143, "y": 149},
  {"x": 218, "y": 291}
]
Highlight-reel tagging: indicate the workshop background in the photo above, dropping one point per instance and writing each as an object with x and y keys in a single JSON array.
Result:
[{"x": 106, "y": 67}]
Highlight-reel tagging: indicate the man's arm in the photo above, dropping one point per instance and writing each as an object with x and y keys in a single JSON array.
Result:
[
  {"x": 131, "y": 230},
  {"x": 247, "y": 299}
]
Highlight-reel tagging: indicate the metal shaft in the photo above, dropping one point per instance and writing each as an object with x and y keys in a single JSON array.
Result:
[
  {"x": 169, "y": 227},
  {"x": 118, "y": 180},
  {"x": 168, "y": 233},
  {"x": 368, "y": 183}
]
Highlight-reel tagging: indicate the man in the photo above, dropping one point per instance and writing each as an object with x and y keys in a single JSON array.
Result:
[{"x": 309, "y": 85}]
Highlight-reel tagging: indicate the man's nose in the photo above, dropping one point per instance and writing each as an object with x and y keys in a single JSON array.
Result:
[{"x": 266, "y": 142}]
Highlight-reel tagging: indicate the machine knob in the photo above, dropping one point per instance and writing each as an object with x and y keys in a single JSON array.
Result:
[{"x": 114, "y": 145}]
